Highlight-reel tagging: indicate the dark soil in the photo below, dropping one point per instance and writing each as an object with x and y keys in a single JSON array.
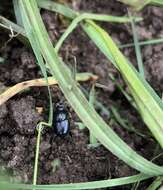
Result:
[{"x": 19, "y": 116}]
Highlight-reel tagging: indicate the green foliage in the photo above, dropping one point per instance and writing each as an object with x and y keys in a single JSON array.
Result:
[
  {"x": 137, "y": 48},
  {"x": 148, "y": 103},
  {"x": 140, "y": 4},
  {"x": 33, "y": 24},
  {"x": 77, "y": 186}
]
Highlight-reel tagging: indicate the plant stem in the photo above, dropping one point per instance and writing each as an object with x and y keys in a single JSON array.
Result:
[{"x": 37, "y": 155}]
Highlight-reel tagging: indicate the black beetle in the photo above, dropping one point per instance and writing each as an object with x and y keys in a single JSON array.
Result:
[{"x": 61, "y": 124}]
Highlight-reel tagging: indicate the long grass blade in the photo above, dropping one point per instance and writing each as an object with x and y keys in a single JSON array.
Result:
[
  {"x": 39, "y": 57},
  {"x": 70, "y": 13},
  {"x": 137, "y": 48},
  {"x": 150, "y": 105},
  {"x": 92, "y": 99},
  {"x": 143, "y": 43},
  {"x": 156, "y": 184},
  {"x": 156, "y": 2},
  {"x": 56, "y": 7},
  {"x": 81, "y": 17},
  {"x": 77, "y": 186},
  {"x": 139, "y": 4},
  {"x": 37, "y": 155},
  {"x": 17, "y": 12}
]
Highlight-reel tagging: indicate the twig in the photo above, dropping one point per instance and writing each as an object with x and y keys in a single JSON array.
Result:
[{"x": 39, "y": 82}]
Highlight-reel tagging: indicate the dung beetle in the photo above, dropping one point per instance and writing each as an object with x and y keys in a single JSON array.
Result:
[{"x": 61, "y": 124}]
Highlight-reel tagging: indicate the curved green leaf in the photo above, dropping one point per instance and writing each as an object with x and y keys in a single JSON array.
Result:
[
  {"x": 150, "y": 105},
  {"x": 77, "y": 186}
]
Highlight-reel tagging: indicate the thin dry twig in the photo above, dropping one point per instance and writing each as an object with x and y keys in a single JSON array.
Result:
[{"x": 12, "y": 91}]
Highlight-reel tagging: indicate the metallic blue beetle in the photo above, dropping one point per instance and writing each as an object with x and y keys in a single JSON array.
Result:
[{"x": 61, "y": 123}]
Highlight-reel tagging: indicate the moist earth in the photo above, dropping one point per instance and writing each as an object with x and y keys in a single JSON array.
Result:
[{"x": 19, "y": 116}]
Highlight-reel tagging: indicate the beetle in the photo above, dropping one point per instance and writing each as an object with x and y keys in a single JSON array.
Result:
[{"x": 61, "y": 124}]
